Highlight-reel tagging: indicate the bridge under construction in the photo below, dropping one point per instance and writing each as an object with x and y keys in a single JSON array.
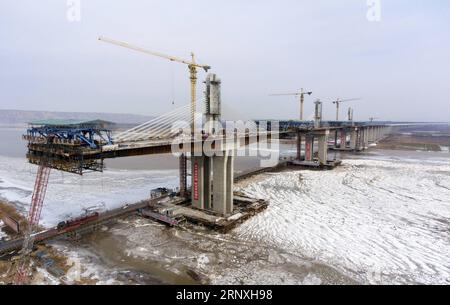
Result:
[{"x": 82, "y": 146}]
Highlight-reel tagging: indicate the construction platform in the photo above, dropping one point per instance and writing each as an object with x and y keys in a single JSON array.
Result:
[
  {"x": 63, "y": 144},
  {"x": 174, "y": 212},
  {"x": 333, "y": 147},
  {"x": 316, "y": 165},
  {"x": 168, "y": 209}
]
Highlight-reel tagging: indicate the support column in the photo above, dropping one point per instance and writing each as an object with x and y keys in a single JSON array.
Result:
[
  {"x": 353, "y": 138},
  {"x": 309, "y": 147},
  {"x": 198, "y": 195},
  {"x": 365, "y": 138},
  {"x": 360, "y": 139},
  {"x": 183, "y": 175},
  {"x": 230, "y": 184},
  {"x": 323, "y": 148},
  {"x": 336, "y": 139},
  {"x": 220, "y": 184},
  {"x": 207, "y": 166},
  {"x": 299, "y": 146},
  {"x": 343, "y": 139}
]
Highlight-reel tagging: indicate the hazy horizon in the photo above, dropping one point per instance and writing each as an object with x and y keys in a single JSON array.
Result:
[{"x": 400, "y": 65}]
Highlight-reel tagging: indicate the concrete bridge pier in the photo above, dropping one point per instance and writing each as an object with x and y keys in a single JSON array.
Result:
[
  {"x": 183, "y": 175},
  {"x": 343, "y": 143},
  {"x": 381, "y": 132},
  {"x": 371, "y": 135},
  {"x": 336, "y": 136},
  {"x": 299, "y": 146},
  {"x": 207, "y": 184},
  {"x": 216, "y": 196},
  {"x": 375, "y": 134},
  {"x": 223, "y": 176},
  {"x": 309, "y": 147},
  {"x": 360, "y": 139},
  {"x": 322, "y": 138},
  {"x": 213, "y": 176},
  {"x": 200, "y": 174},
  {"x": 366, "y": 138},
  {"x": 353, "y": 138},
  {"x": 321, "y": 134}
]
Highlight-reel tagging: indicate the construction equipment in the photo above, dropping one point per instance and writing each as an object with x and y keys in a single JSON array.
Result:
[
  {"x": 62, "y": 143},
  {"x": 192, "y": 65},
  {"x": 34, "y": 215},
  {"x": 339, "y": 101},
  {"x": 300, "y": 94}
]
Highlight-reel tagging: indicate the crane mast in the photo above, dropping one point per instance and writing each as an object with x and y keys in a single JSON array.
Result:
[
  {"x": 34, "y": 215},
  {"x": 301, "y": 95},
  {"x": 338, "y": 103},
  {"x": 192, "y": 66}
]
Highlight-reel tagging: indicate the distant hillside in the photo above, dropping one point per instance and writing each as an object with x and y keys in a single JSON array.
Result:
[{"x": 24, "y": 116}]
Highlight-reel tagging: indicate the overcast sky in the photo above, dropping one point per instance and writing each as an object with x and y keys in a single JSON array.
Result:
[{"x": 400, "y": 65}]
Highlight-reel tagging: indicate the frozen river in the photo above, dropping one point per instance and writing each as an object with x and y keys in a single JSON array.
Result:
[
  {"x": 383, "y": 217},
  {"x": 377, "y": 221}
]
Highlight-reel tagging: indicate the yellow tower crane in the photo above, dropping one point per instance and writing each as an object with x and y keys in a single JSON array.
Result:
[
  {"x": 338, "y": 103},
  {"x": 301, "y": 95},
  {"x": 192, "y": 65}
]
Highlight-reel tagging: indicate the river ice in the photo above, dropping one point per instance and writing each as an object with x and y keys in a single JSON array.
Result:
[
  {"x": 385, "y": 219},
  {"x": 68, "y": 194},
  {"x": 376, "y": 221}
]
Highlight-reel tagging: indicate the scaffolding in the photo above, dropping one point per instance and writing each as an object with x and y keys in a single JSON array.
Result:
[{"x": 64, "y": 144}]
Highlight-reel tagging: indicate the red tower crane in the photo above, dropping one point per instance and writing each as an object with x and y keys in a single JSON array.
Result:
[{"x": 34, "y": 215}]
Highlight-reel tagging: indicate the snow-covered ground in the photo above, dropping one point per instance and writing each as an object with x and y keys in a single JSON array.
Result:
[
  {"x": 377, "y": 221},
  {"x": 380, "y": 218},
  {"x": 68, "y": 194}
]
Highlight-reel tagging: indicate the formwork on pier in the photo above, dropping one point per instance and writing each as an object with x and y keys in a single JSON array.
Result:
[
  {"x": 176, "y": 211},
  {"x": 63, "y": 144}
]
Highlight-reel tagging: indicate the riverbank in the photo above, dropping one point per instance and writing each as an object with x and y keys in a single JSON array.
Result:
[{"x": 422, "y": 141}]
